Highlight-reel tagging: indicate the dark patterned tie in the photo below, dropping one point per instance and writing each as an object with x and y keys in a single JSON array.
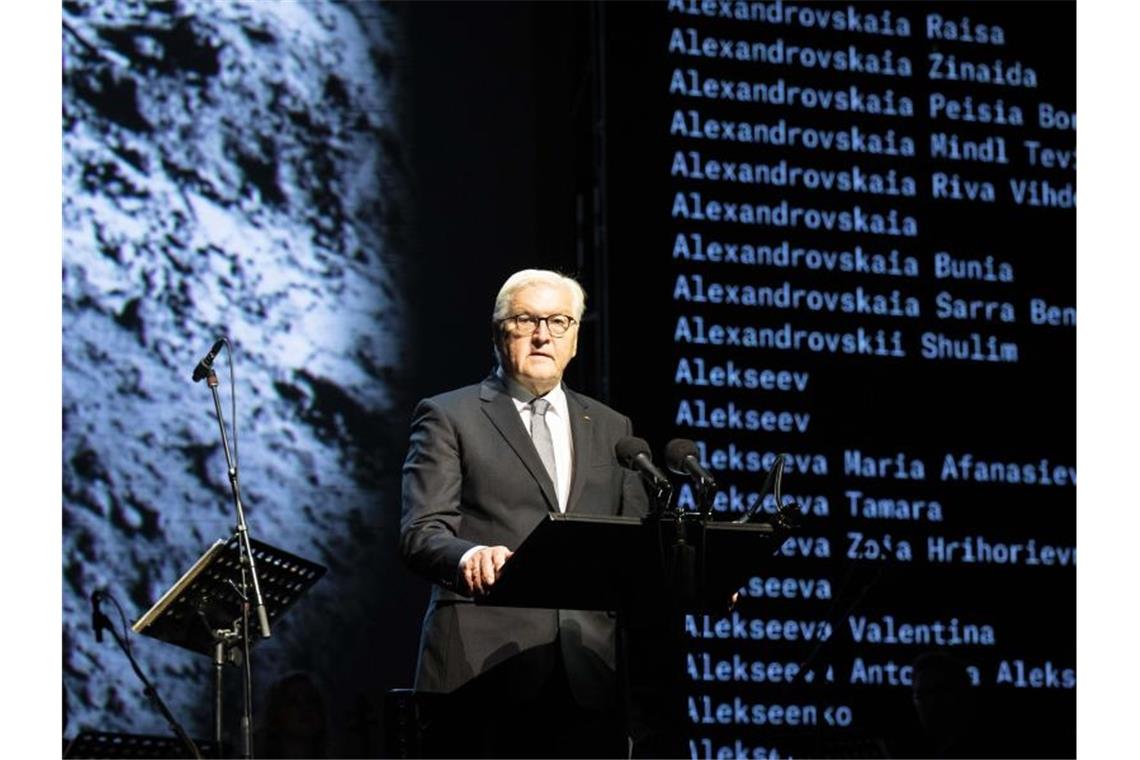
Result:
[{"x": 540, "y": 434}]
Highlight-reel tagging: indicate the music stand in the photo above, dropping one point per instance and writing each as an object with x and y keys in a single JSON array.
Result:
[
  {"x": 105, "y": 744},
  {"x": 204, "y": 610}
]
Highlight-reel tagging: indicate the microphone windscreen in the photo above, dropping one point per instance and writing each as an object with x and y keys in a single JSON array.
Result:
[
  {"x": 627, "y": 450},
  {"x": 676, "y": 452}
]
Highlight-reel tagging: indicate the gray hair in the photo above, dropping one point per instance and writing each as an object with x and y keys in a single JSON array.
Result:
[{"x": 529, "y": 277}]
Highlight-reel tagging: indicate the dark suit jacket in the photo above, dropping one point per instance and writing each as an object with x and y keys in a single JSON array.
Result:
[{"x": 472, "y": 476}]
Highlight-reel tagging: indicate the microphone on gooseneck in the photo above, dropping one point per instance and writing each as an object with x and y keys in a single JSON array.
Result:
[
  {"x": 633, "y": 454},
  {"x": 682, "y": 457},
  {"x": 774, "y": 476}
]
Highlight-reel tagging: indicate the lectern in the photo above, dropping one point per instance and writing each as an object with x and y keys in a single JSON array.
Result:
[
  {"x": 633, "y": 564},
  {"x": 649, "y": 571}
]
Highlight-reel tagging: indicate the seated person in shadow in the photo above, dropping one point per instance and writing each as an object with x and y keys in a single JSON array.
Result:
[
  {"x": 294, "y": 723},
  {"x": 959, "y": 719}
]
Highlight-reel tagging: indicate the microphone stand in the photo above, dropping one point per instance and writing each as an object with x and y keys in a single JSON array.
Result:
[
  {"x": 248, "y": 580},
  {"x": 102, "y": 622},
  {"x": 660, "y": 493},
  {"x": 706, "y": 490}
]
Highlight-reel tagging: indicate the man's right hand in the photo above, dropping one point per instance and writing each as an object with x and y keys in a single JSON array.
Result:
[{"x": 482, "y": 568}]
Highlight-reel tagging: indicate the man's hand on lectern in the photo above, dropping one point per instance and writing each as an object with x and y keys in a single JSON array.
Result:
[{"x": 482, "y": 568}]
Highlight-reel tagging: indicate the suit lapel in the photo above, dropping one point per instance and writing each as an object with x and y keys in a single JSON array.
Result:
[
  {"x": 499, "y": 407},
  {"x": 582, "y": 436}
]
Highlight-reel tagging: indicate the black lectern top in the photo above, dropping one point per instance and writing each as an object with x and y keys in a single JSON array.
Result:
[{"x": 601, "y": 562}]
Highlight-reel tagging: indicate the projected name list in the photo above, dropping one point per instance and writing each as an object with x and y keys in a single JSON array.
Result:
[{"x": 825, "y": 164}]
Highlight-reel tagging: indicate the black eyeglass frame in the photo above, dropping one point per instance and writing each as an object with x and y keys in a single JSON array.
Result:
[{"x": 536, "y": 321}]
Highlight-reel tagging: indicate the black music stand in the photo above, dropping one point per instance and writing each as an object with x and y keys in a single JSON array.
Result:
[
  {"x": 106, "y": 744},
  {"x": 204, "y": 610}
]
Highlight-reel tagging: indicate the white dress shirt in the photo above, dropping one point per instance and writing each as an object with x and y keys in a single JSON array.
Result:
[{"x": 558, "y": 420}]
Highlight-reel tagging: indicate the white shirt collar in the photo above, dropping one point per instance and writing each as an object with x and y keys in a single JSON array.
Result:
[
  {"x": 559, "y": 424},
  {"x": 522, "y": 397}
]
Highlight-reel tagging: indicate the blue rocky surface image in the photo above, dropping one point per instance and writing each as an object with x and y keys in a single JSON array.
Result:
[{"x": 230, "y": 168}]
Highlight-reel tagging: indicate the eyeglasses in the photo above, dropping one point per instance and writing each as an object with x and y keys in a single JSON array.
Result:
[{"x": 526, "y": 324}]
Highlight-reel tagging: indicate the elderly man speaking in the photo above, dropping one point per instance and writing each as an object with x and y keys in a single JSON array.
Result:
[{"x": 485, "y": 465}]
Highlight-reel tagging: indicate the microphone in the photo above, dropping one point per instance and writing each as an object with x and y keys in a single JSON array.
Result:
[
  {"x": 633, "y": 454},
  {"x": 207, "y": 363},
  {"x": 681, "y": 457},
  {"x": 97, "y": 615}
]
